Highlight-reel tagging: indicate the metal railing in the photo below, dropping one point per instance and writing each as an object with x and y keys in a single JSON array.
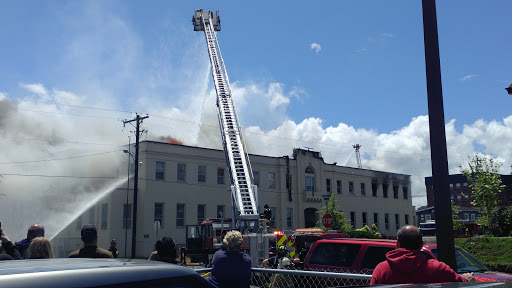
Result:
[{"x": 280, "y": 278}]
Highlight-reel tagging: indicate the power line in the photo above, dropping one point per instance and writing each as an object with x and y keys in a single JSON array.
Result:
[
  {"x": 59, "y": 176},
  {"x": 58, "y": 159}
]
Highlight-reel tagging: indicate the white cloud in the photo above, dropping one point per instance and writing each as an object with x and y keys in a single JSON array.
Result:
[
  {"x": 468, "y": 77},
  {"x": 275, "y": 93},
  {"x": 316, "y": 47},
  {"x": 3, "y": 96},
  {"x": 35, "y": 88}
]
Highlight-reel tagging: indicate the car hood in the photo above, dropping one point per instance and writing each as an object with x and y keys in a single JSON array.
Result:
[{"x": 491, "y": 276}]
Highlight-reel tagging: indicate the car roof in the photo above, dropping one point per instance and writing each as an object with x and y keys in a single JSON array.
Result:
[
  {"x": 383, "y": 242},
  {"x": 85, "y": 272}
]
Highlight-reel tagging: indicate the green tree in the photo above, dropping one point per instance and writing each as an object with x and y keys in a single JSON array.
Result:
[
  {"x": 485, "y": 183},
  {"x": 457, "y": 222},
  {"x": 502, "y": 222},
  {"x": 339, "y": 221}
]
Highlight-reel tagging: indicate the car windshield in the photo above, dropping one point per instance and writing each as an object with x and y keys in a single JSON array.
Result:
[{"x": 466, "y": 262}]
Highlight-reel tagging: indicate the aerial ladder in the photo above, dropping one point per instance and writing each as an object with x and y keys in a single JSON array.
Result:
[{"x": 243, "y": 191}]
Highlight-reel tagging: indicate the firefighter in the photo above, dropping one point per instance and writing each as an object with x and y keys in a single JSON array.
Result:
[
  {"x": 267, "y": 214},
  {"x": 273, "y": 262},
  {"x": 113, "y": 248}
]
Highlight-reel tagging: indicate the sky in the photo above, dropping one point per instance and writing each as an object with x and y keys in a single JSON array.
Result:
[{"x": 326, "y": 76}]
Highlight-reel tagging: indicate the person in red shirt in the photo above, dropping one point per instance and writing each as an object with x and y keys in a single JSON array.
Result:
[{"x": 407, "y": 264}]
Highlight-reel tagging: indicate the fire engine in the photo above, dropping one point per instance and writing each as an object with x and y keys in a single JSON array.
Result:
[{"x": 204, "y": 239}]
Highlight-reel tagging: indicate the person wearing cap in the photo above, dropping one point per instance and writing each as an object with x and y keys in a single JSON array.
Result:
[
  {"x": 90, "y": 249},
  {"x": 34, "y": 231}
]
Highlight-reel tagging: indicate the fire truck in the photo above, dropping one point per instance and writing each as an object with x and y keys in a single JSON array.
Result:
[{"x": 204, "y": 239}]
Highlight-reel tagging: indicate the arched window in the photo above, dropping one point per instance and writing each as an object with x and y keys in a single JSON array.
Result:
[{"x": 309, "y": 185}]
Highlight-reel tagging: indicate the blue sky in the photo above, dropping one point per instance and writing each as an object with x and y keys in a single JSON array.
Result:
[{"x": 325, "y": 75}]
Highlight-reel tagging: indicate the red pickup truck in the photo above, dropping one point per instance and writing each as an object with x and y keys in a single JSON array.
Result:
[{"x": 361, "y": 256}]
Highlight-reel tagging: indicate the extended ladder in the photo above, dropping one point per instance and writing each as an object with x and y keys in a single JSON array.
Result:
[{"x": 243, "y": 191}]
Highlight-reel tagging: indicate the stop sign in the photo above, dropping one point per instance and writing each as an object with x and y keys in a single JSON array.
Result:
[{"x": 327, "y": 220}]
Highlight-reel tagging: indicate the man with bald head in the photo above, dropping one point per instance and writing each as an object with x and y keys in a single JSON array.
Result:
[
  {"x": 406, "y": 264},
  {"x": 35, "y": 230}
]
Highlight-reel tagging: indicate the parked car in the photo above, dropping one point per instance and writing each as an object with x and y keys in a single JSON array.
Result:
[
  {"x": 353, "y": 255},
  {"x": 468, "y": 263},
  {"x": 81, "y": 272}
]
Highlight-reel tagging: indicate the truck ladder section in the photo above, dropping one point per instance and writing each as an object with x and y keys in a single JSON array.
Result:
[{"x": 242, "y": 188}]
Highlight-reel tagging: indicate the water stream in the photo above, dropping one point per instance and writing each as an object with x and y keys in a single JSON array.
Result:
[{"x": 90, "y": 202}]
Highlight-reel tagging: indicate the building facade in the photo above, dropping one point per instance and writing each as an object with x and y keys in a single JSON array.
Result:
[
  {"x": 462, "y": 196},
  {"x": 182, "y": 185}
]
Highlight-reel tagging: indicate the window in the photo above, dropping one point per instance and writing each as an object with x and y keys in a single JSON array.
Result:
[
  {"x": 329, "y": 254},
  {"x": 466, "y": 216},
  {"x": 375, "y": 186},
  {"x": 397, "y": 221},
  {"x": 405, "y": 192},
  {"x": 310, "y": 184},
  {"x": 376, "y": 219},
  {"x": 353, "y": 219},
  {"x": 182, "y": 168},
  {"x": 328, "y": 185},
  {"x": 364, "y": 219},
  {"x": 271, "y": 180},
  {"x": 127, "y": 216},
  {"x": 273, "y": 213},
  {"x": 385, "y": 190},
  {"x": 338, "y": 186},
  {"x": 473, "y": 217},
  {"x": 104, "y": 215},
  {"x": 200, "y": 213},
  {"x": 256, "y": 177},
  {"x": 159, "y": 214},
  {"x": 422, "y": 217},
  {"x": 92, "y": 215},
  {"x": 395, "y": 191},
  {"x": 457, "y": 186},
  {"x": 350, "y": 187},
  {"x": 465, "y": 184},
  {"x": 406, "y": 219},
  {"x": 180, "y": 215},
  {"x": 220, "y": 211},
  {"x": 79, "y": 223},
  {"x": 310, "y": 180},
  {"x": 363, "y": 189},
  {"x": 374, "y": 255},
  {"x": 386, "y": 221},
  {"x": 428, "y": 217},
  {"x": 220, "y": 175},
  {"x": 459, "y": 198},
  {"x": 452, "y": 197},
  {"x": 201, "y": 173},
  {"x": 289, "y": 217},
  {"x": 160, "y": 170},
  {"x": 451, "y": 186}
]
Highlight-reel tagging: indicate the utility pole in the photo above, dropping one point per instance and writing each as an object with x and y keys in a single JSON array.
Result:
[
  {"x": 138, "y": 119},
  {"x": 438, "y": 154}
]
